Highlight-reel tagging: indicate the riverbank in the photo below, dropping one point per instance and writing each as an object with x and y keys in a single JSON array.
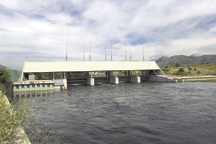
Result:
[
  {"x": 208, "y": 78},
  {"x": 11, "y": 132}
]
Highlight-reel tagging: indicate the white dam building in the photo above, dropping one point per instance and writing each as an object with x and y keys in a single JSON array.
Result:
[{"x": 80, "y": 72}]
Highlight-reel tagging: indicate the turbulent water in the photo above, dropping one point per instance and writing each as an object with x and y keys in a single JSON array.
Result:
[{"x": 151, "y": 113}]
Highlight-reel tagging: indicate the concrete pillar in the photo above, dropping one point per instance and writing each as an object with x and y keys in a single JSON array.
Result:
[
  {"x": 90, "y": 81},
  {"x": 135, "y": 79},
  {"x": 64, "y": 76},
  {"x": 114, "y": 80},
  {"x": 109, "y": 74},
  {"x": 53, "y": 76},
  {"x": 125, "y": 73},
  {"x": 129, "y": 73},
  {"x": 65, "y": 83}
]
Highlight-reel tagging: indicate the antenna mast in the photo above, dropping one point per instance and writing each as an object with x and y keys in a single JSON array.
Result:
[
  {"x": 66, "y": 50},
  {"x": 83, "y": 51},
  {"x": 105, "y": 52},
  {"x": 143, "y": 52},
  {"x": 90, "y": 51},
  {"x": 111, "y": 51},
  {"x": 125, "y": 52},
  {"x": 130, "y": 53}
]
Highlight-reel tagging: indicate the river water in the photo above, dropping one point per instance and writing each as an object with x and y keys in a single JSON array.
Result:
[{"x": 145, "y": 113}]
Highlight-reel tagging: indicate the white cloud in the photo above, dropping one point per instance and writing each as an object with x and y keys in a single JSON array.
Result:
[{"x": 40, "y": 29}]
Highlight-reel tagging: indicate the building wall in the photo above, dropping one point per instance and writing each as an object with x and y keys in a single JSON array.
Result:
[{"x": 33, "y": 87}]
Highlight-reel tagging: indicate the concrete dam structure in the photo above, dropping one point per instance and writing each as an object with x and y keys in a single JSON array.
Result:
[{"x": 86, "y": 72}]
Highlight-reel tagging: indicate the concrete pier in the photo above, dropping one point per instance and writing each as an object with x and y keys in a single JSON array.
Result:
[
  {"x": 135, "y": 79},
  {"x": 114, "y": 80},
  {"x": 90, "y": 81}
]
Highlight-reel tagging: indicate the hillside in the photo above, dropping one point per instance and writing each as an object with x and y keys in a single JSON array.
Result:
[
  {"x": 15, "y": 74},
  {"x": 182, "y": 59},
  {"x": 1, "y": 66}
]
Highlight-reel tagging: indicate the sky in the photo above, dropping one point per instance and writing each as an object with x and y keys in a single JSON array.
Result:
[{"x": 45, "y": 30}]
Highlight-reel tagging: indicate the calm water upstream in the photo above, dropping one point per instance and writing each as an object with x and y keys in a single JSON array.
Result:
[{"x": 151, "y": 113}]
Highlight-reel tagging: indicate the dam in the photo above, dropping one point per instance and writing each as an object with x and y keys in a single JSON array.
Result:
[{"x": 82, "y": 72}]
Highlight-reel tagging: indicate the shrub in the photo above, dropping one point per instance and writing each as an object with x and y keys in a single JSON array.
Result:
[
  {"x": 181, "y": 70},
  {"x": 166, "y": 66},
  {"x": 5, "y": 82},
  {"x": 198, "y": 72},
  {"x": 177, "y": 65},
  {"x": 189, "y": 68},
  {"x": 195, "y": 69},
  {"x": 10, "y": 120}
]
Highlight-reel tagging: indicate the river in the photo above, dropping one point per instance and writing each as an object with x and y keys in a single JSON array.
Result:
[{"x": 145, "y": 113}]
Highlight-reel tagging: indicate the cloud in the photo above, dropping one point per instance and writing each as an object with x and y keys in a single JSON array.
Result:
[{"x": 39, "y": 29}]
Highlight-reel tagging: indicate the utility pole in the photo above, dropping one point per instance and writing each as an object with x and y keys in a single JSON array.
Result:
[
  {"x": 105, "y": 52},
  {"x": 143, "y": 52},
  {"x": 66, "y": 50},
  {"x": 90, "y": 51},
  {"x": 83, "y": 51},
  {"x": 130, "y": 53},
  {"x": 111, "y": 51},
  {"x": 125, "y": 52}
]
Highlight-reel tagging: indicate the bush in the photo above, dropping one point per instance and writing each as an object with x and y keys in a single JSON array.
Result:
[
  {"x": 198, "y": 72},
  {"x": 166, "y": 66},
  {"x": 14, "y": 116},
  {"x": 10, "y": 120},
  {"x": 5, "y": 82},
  {"x": 195, "y": 69},
  {"x": 177, "y": 65},
  {"x": 189, "y": 68},
  {"x": 181, "y": 70}
]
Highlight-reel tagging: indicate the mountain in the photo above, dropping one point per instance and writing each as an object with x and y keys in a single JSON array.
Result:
[
  {"x": 15, "y": 74},
  {"x": 182, "y": 59},
  {"x": 1, "y": 66}
]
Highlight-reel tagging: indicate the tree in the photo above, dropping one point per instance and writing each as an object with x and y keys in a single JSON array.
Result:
[
  {"x": 177, "y": 65},
  {"x": 189, "y": 68},
  {"x": 5, "y": 82},
  {"x": 195, "y": 69},
  {"x": 198, "y": 72},
  {"x": 166, "y": 66},
  {"x": 181, "y": 70}
]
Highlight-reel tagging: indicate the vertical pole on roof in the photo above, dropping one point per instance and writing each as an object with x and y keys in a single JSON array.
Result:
[
  {"x": 105, "y": 52},
  {"x": 90, "y": 51},
  {"x": 125, "y": 52},
  {"x": 83, "y": 51},
  {"x": 143, "y": 52},
  {"x": 130, "y": 53},
  {"x": 111, "y": 51},
  {"x": 66, "y": 50}
]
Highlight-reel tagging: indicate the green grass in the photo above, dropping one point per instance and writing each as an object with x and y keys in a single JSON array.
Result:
[
  {"x": 12, "y": 116},
  {"x": 204, "y": 69}
]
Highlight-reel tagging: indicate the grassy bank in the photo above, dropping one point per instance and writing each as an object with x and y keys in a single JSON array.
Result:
[
  {"x": 12, "y": 117},
  {"x": 190, "y": 70}
]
